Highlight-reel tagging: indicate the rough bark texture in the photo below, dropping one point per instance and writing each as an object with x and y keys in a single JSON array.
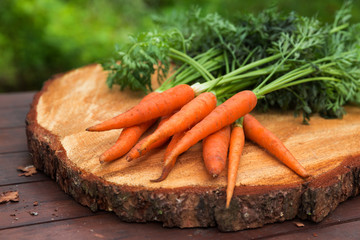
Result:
[{"x": 191, "y": 206}]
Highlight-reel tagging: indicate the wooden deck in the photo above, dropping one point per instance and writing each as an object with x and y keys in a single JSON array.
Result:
[{"x": 60, "y": 217}]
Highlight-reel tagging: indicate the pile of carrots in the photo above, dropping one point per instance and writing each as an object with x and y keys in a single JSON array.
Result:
[{"x": 187, "y": 118}]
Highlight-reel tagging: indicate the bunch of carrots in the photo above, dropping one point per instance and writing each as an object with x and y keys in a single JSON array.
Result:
[
  {"x": 188, "y": 118},
  {"x": 215, "y": 86}
]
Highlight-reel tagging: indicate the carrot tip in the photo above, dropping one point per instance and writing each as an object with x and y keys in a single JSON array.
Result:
[
  {"x": 164, "y": 174},
  {"x": 91, "y": 129},
  {"x": 160, "y": 179},
  {"x": 128, "y": 158},
  {"x": 156, "y": 180},
  {"x": 306, "y": 175},
  {"x": 101, "y": 159}
]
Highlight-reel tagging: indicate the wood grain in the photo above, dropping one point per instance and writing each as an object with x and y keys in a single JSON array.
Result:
[{"x": 266, "y": 190}]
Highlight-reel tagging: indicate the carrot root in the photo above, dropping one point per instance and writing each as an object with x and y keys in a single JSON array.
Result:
[
  {"x": 174, "y": 140},
  {"x": 262, "y": 136},
  {"x": 135, "y": 153},
  {"x": 225, "y": 114},
  {"x": 127, "y": 139},
  {"x": 215, "y": 150},
  {"x": 163, "y": 104},
  {"x": 190, "y": 114},
  {"x": 237, "y": 141}
]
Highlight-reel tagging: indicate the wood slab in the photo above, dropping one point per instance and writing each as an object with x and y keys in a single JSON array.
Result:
[{"x": 266, "y": 190}]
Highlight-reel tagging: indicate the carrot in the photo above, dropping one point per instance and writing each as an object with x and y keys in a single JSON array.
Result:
[
  {"x": 262, "y": 136},
  {"x": 135, "y": 153},
  {"x": 163, "y": 104},
  {"x": 215, "y": 150},
  {"x": 174, "y": 140},
  {"x": 190, "y": 114},
  {"x": 235, "y": 107},
  {"x": 237, "y": 141},
  {"x": 149, "y": 96},
  {"x": 127, "y": 139}
]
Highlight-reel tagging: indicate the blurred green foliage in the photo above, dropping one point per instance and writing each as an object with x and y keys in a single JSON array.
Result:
[{"x": 39, "y": 38}]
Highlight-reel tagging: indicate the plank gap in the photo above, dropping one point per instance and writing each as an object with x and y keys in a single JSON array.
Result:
[
  {"x": 8, "y": 153},
  {"x": 53, "y": 221},
  {"x": 13, "y": 127},
  {"x": 28, "y": 182}
]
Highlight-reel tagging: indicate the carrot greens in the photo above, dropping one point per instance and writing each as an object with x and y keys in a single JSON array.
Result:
[{"x": 289, "y": 61}]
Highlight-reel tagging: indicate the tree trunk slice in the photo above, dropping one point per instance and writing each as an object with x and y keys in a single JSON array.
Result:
[{"x": 266, "y": 191}]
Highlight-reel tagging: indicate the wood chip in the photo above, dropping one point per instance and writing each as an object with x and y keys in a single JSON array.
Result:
[
  {"x": 27, "y": 171},
  {"x": 34, "y": 213},
  {"x": 9, "y": 196},
  {"x": 35, "y": 203},
  {"x": 99, "y": 235},
  {"x": 299, "y": 224}
]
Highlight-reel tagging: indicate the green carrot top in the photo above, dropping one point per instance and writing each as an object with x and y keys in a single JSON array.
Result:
[{"x": 289, "y": 61}]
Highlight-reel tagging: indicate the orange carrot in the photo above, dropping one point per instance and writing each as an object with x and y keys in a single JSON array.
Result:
[
  {"x": 190, "y": 114},
  {"x": 174, "y": 140},
  {"x": 135, "y": 153},
  {"x": 149, "y": 96},
  {"x": 127, "y": 139},
  {"x": 215, "y": 150},
  {"x": 262, "y": 136},
  {"x": 225, "y": 114},
  {"x": 237, "y": 141},
  {"x": 163, "y": 104}
]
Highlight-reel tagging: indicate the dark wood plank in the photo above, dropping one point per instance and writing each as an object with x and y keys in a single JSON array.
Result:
[
  {"x": 110, "y": 227},
  {"x": 345, "y": 212},
  {"x": 18, "y": 99},
  {"x": 13, "y": 117},
  {"x": 53, "y": 204},
  {"x": 9, "y": 173},
  {"x": 348, "y": 231},
  {"x": 13, "y": 140}
]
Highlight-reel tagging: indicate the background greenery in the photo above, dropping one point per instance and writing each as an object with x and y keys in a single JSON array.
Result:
[{"x": 39, "y": 38}]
